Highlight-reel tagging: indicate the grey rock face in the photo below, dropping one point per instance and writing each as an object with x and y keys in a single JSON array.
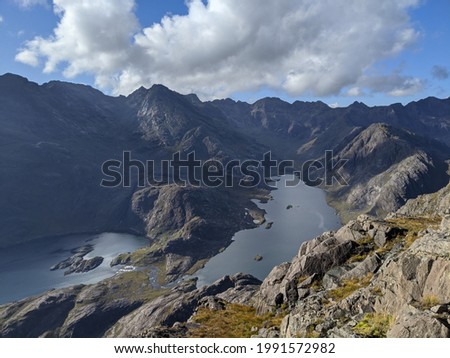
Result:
[
  {"x": 34, "y": 317},
  {"x": 413, "y": 323},
  {"x": 428, "y": 205},
  {"x": 271, "y": 291},
  {"x": 332, "y": 277},
  {"x": 369, "y": 265},
  {"x": 419, "y": 272},
  {"x": 315, "y": 257},
  {"x": 181, "y": 303}
]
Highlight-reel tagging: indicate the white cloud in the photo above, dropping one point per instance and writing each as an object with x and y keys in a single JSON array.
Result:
[
  {"x": 1, "y": 19},
  {"x": 27, "y": 57},
  {"x": 395, "y": 84},
  {"x": 300, "y": 46},
  {"x": 354, "y": 92},
  {"x": 408, "y": 87},
  {"x": 30, "y": 3}
]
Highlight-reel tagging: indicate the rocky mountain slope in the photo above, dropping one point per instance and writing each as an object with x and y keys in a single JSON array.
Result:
[
  {"x": 55, "y": 137},
  {"x": 371, "y": 278},
  {"x": 401, "y": 165},
  {"x": 425, "y": 205}
]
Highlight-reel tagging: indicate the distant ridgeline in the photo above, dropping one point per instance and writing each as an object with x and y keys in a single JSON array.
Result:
[{"x": 55, "y": 137}]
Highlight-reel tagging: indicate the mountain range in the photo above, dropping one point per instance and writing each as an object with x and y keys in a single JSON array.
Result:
[{"x": 56, "y": 136}]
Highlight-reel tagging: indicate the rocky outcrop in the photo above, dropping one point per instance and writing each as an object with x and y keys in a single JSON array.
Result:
[
  {"x": 415, "y": 323},
  {"x": 189, "y": 224},
  {"x": 428, "y": 205},
  {"x": 418, "y": 273},
  {"x": 77, "y": 263},
  {"x": 181, "y": 303},
  {"x": 313, "y": 260},
  {"x": 38, "y": 316},
  {"x": 380, "y": 287},
  {"x": 126, "y": 305},
  {"x": 79, "y": 311}
]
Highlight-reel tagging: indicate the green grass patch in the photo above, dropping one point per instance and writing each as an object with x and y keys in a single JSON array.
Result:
[
  {"x": 235, "y": 321},
  {"x": 414, "y": 226},
  {"x": 374, "y": 325},
  {"x": 429, "y": 301},
  {"x": 365, "y": 240},
  {"x": 349, "y": 286},
  {"x": 134, "y": 285},
  {"x": 358, "y": 257}
]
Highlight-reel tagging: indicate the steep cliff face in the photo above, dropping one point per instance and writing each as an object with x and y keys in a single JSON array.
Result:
[{"x": 54, "y": 139}]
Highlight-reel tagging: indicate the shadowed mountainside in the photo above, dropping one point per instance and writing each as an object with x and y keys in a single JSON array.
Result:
[{"x": 55, "y": 137}]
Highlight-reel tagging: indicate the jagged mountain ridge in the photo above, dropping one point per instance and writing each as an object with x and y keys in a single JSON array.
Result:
[{"x": 56, "y": 136}]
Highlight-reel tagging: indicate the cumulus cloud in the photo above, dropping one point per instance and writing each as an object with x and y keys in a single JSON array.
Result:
[
  {"x": 440, "y": 72},
  {"x": 299, "y": 46}
]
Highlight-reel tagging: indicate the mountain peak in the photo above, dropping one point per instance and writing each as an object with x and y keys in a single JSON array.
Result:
[
  {"x": 357, "y": 104},
  {"x": 159, "y": 88},
  {"x": 11, "y": 82},
  {"x": 9, "y": 75}
]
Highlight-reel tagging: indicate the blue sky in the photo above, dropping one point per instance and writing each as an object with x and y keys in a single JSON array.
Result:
[{"x": 370, "y": 51}]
